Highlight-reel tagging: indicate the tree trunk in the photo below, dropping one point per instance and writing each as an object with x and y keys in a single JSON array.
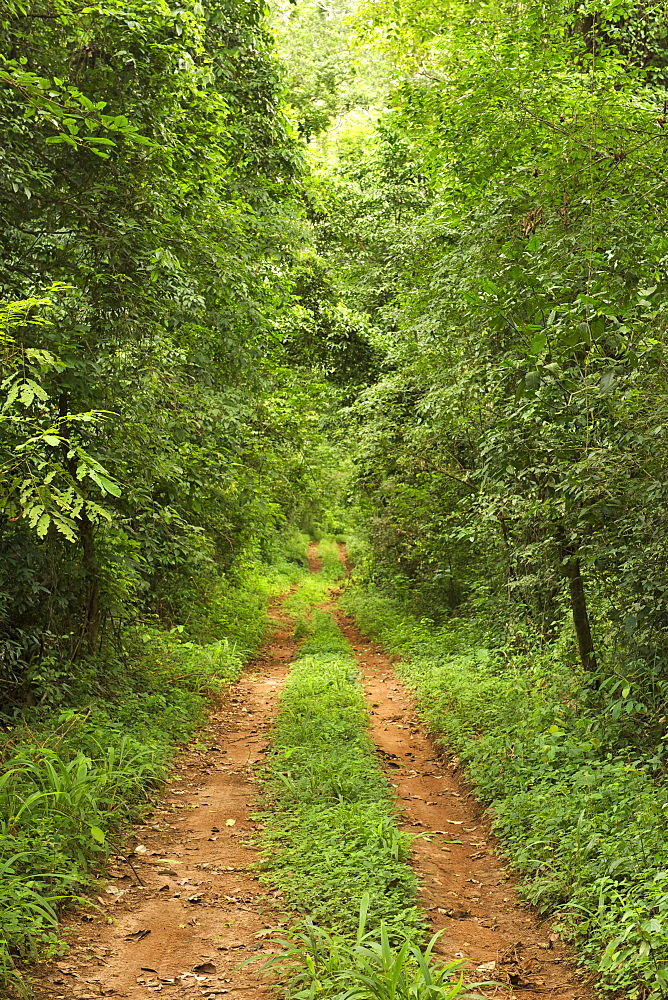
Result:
[
  {"x": 91, "y": 620},
  {"x": 580, "y": 616}
]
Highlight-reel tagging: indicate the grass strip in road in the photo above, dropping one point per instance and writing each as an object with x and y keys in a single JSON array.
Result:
[
  {"x": 331, "y": 844},
  {"x": 315, "y": 588},
  {"x": 331, "y": 834}
]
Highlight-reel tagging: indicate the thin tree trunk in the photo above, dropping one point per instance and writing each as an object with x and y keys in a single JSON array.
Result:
[
  {"x": 91, "y": 621},
  {"x": 581, "y": 616},
  {"x": 91, "y": 568}
]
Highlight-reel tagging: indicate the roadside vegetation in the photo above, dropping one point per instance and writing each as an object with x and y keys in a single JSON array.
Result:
[{"x": 574, "y": 799}]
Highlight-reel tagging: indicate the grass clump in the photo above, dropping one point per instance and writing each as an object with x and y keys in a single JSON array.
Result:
[
  {"x": 315, "y": 963},
  {"x": 584, "y": 823}
]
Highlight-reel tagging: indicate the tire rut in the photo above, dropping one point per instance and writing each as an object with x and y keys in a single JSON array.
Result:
[
  {"x": 184, "y": 908},
  {"x": 467, "y": 893}
]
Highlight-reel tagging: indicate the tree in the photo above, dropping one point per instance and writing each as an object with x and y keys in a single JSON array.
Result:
[
  {"x": 529, "y": 314},
  {"x": 147, "y": 235}
]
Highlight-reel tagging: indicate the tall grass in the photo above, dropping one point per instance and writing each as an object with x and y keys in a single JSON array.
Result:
[{"x": 312, "y": 963}]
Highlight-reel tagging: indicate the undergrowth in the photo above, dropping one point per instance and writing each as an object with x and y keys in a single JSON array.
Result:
[
  {"x": 80, "y": 766},
  {"x": 583, "y": 823},
  {"x": 312, "y": 963}
]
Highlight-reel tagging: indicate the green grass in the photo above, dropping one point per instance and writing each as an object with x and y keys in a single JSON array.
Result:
[
  {"x": 331, "y": 833},
  {"x": 313, "y": 963},
  {"x": 315, "y": 588},
  {"x": 78, "y": 769},
  {"x": 583, "y": 823}
]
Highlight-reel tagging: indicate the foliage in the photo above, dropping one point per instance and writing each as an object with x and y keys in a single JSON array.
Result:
[
  {"x": 503, "y": 226},
  {"x": 328, "y": 70},
  {"x": 316, "y": 963},
  {"x": 443, "y": 259},
  {"x": 405, "y": 974},
  {"x": 153, "y": 428},
  {"x": 44, "y": 491},
  {"x": 508, "y": 457}
]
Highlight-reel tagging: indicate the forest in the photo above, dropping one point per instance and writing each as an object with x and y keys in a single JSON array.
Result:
[{"x": 350, "y": 308}]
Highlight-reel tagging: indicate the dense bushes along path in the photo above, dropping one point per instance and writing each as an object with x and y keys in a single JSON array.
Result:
[{"x": 187, "y": 907}]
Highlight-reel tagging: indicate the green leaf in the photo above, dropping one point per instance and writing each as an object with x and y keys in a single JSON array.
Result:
[
  {"x": 607, "y": 380},
  {"x": 42, "y": 525},
  {"x": 539, "y": 342},
  {"x": 106, "y": 485}
]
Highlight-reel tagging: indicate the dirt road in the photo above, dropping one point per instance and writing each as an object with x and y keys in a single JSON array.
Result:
[
  {"x": 186, "y": 909},
  {"x": 183, "y": 907},
  {"x": 467, "y": 891}
]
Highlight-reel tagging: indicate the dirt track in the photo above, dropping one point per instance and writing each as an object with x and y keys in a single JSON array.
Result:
[
  {"x": 196, "y": 910},
  {"x": 466, "y": 890},
  {"x": 186, "y": 909}
]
